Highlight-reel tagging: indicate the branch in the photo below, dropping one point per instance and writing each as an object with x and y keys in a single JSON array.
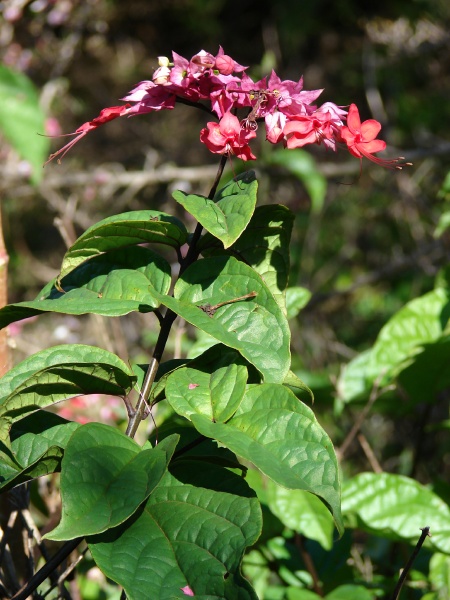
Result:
[{"x": 412, "y": 558}]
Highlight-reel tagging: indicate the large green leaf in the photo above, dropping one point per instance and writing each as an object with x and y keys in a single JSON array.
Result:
[
  {"x": 22, "y": 120},
  {"x": 191, "y": 534},
  {"x": 60, "y": 373},
  {"x": 350, "y": 592},
  {"x": 111, "y": 284},
  {"x": 120, "y": 231},
  {"x": 296, "y": 298},
  {"x": 105, "y": 476},
  {"x": 256, "y": 326},
  {"x": 295, "y": 593},
  {"x": 422, "y": 321},
  {"x": 440, "y": 575},
  {"x": 227, "y": 216},
  {"x": 396, "y": 507},
  {"x": 216, "y": 395},
  {"x": 264, "y": 245},
  {"x": 281, "y": 436},
  {"x": 37, "y": 442},
  {"x": 301, "y": 511}
]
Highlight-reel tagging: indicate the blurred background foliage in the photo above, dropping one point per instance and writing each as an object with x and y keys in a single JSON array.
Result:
[{"x": 364, "y": 242}]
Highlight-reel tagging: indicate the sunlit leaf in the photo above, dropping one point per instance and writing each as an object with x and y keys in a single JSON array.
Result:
[
  {"x": 255, "y": 326},
  {"x": 280, "y": 435},
  {"x": 303, "y": 512},
  {"x": 227, "y": 216},
  {"x": 216, "y": 395},
  {"x": 264, "y": 245},
  {"x": 22, "y": 120},
  {"x": 111, "y": 284},
  {"x": 121, "y": 231},
  {"x": 397, "y": 507}
]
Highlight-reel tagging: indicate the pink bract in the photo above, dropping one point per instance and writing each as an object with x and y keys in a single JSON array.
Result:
[
  {"x": 219, "y": 86},
  {"x": 227, "y": 137}
]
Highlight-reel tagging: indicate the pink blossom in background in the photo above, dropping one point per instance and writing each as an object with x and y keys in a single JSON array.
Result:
[{"x": 93, "y": 407}]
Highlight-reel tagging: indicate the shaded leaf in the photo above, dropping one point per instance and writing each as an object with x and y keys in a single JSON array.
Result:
[
  {"x": 121, "y": 231},
  {"x": 192, "y": 532},
  {"x": 105, "y": 476},
  {"x": 256, "y": 327},
  {"x": 38, "y": 441},
  {"x": 60, "y": 373},
  {"x": 396, "y": 507}
]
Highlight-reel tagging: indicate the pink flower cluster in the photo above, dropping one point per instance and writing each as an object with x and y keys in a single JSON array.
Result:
[{"x": 219, "y": 86}]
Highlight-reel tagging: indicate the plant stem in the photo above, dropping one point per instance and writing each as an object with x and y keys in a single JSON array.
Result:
[
  {"x": 412, "y": 558},
  {"x": 139, "y": 411},
  {"x": 300, "y": 543},
  {"x": 45, "y": 571},
  {"x": 167, "y": 321}
]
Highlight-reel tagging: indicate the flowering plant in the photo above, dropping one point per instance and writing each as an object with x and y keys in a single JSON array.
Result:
[
  {"x": 287, "y": 109},
  {"x": 174, "y": 517}
]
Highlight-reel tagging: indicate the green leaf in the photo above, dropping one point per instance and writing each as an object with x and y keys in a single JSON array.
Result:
[
  {"x": 280, "y": 436},
  {"x": 216, "y": 395},
  {"x": 264, "y": 245},
  {"x": 22, "y": 120},
  {"x": 440, "y": 575},
  {"x": 303, "y": 166},
  {"x": 256, "y": 327},
  {"x": 37, "y": 443},
  {"x": 60, "y": 373},
  {"x": 443, "y": 225},
  {"x": 296, "y": 299},
  {"x": 121, "y": 231},
  {"x": 293, "y": 593},
  {"x": 349, "y": 592},
  {"x": 192, "y": 532},
  {"x": 303, "y": 512},
  {"x": 397, "y": 507},
  {"x": 111, "y": 284},
  {"x": 105, "y": 476},
  {"x": 422, "y": 321},
  {"x": 227, "y": 216},
  {"x": 292, "y": 380}
]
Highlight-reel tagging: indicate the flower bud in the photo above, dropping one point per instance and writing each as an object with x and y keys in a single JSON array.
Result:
[
  {"x": 225, "y": 64},
  {"x": 161, "y": 75}
]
